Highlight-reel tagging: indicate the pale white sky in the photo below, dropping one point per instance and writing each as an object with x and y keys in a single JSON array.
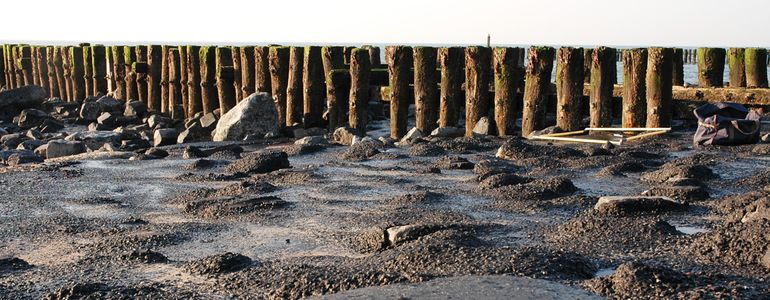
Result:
[{"x": 555, "y": 22}]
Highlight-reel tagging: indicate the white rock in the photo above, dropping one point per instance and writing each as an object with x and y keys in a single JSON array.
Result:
[{"x": 255, "y": 115}]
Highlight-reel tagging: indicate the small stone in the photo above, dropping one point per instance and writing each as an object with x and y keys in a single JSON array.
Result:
[
  {"x": 23, "y": 157},
  {"x": 106, "y": 119},
  {"x": 412, "y": 135},
  {"x": 157, "y": 121},
  {"x": 164, "y": 136},
  {"x": 50, "y": 126},
  {"x": 761, "y": 211},
  {"x": 448, "y": 132},
  {"x": 29, "y": 118},
  {"x": 766, "y": 139},
  {"x": 109, "y": 104},
  {"x": 482, "y": 127},
  {"x": 343, "y": 136},
  {"x": 194, "y": 133},
  {"x": 59, "y": 148},
  {"x": 135, "y": 109},
  {"x": 193, "y": 152},
  {"x": 258, "y": 163},
  {"x": 90, "y": 111},
  {"x": 156, "y": 153},
  {"x": 209, "y": 121},
  {"x": 311, "y": 140},
  {"x": 34, "y": 134}
]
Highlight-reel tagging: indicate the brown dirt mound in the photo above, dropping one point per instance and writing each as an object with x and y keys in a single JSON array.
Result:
[
  {"x": 260, "y": 162},
  {"x": 234, "y": 206},
  {"x": 426, "y": 149},
  {"x": 665, "y": 173},
  {"x": 360, "y": 151},
  {"x": 453, "y": 163},
  {"x": 218, "y": 264},
  {"x": 145, "y": 256},
  {"x": 734, "y": 244},
  {"x": 11, "y": 264},
  {"x": 633, "y": 279}
]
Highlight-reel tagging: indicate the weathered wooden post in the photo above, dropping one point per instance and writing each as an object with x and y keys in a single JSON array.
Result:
[
  {"x": 348, "y": 50},
  {"x": 42, "y": 69},
  {"x": 569, "y": 88},
  {"x": 99, "y": 64},
  {"x": 141, "y": 77},
  {"x": 64, "y": 55},
  {"x": 209, "y": 95},
  {"x": 174, "y": 87},
  {"x": 400, "y": 60},
  {"x": 452, "y": 63},
  {"x": 25, "y": 64},
  {"x": 426, "y": 95},
  {"x": 183, "y": 92},
  {"x": 294, "y": 93},
  {"x": 634, "y": 98},
  {"x": 711, "y": 67},
  {"x": 247, "y": 71},
  {"x": 129, "y": 58},
  {"x": 77, "y": 73},
  {"x": 536, "y": 89},
  {"x": 337, "y": 86},
  {"x": 88, "y": 70},
  {"x": 118, "y": 60},
  {"x": 478, "y": 62},
  {"x": 35, "y": 70},
  {"x": 4, "y": 67},
  {"x": 194, "y": 100},
  {"x": 360, "y": 72},
  {"x": 279, "y": 79},
  {"x": 506, "y": 83},
  {"x": 237, "y": 80},
  {"x": 314, "y": 89},
  {"x": 225, "y": 78},
  {"x": 165, "y": 65},
  {"x": 603, "y": 66},
  {"x": 735, "y": 59},
  {"x": 375, "y": 62},
  {"x": 660, "y": 62},
  {"x": 333, "y": 58},
  {"x": 587, "y": 58},
  {"x": 678, "y": 76},
  {"x": 155, "y": 63},
  {"x": 756, "y": 67},
  {"x": 262, "y": 77},
  {"x": 57, "y": 82}
]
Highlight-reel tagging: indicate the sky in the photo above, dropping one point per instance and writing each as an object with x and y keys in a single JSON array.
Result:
[{"x": 682, "y": 23}]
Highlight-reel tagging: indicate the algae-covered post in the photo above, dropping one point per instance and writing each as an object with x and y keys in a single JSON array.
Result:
[
  {"x": 99, "y": 65},
  {"x": 375, "y": 62},
  {"x": 400, "y": 60},
  {"x": 634, "y": 98},
  {"x": 194, "y": 98},
  {"x": 314, "y": 88},
  {"x": 505, "y": 68},
  {"x": 569, "y": 88},
  {"x": 117, "y": 58},
  {"x": 294, "y": 93},
  {"x": 42, "y": 69},
  {"x": 333, "y": 58},
  {"x": 735, "y": 60},
  {"x": 53, "y": 81},
  {"x": 3, "y": 68},
  {"x": 262, "y": 78},
  {"x": 64, "y": 54},
  {"x": 141, "y": 77},
  {"x": 174, "y": 87},
  {"x": 279, "y": 79},
  {"x": 602, "y": 74},
  {"x": 182, "y": 50},
  {"x": 659, "y": 81},
  {"x": 208, "y": 66},
  {"x": 478, "y": 63},
  {"x": 25, "y": 64},
  {"x": 33, "y": 62},
  {"x": 678, "y": 70},
  {"x": 225, "y": 77},
  {"x": 247, "y": 71},
  {"x": 536, "y": 89},
  {"x": 426, "y": 97},
  {"x": 756, "y": 67},
  {"x": 88, "y": 69},
  {"x": 76, "y": 73},
  {"x": 237, "y": 80},
  {"x": 164, "y": 79},
  {"x": 58, "y": 68},
  {"x": 132, "y": 84},
  {"x": 360, "y": 70},
  {"x": 587, "y": 57},
  {"x": 155, "y": 64},
  {"x": 337, "y": 94},
  {"x": 452, "y": 64},
  {"x": 711, "y": 67}
]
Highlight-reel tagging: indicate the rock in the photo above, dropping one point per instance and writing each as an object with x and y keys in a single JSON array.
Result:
[
  {"x": 547, "y": 130},
  {"x": 156, "y": 153},
  {"x": 386, "y": 141},
  {"x": 500, "y": 180},
  {"x": 59, "y": 148},
  {"x": 632, "y": 205},
  {"x": 482, "y": 127},
  {"x": 218, "y": 264},
  {"x": 261, "y": 162},
  {"x": 23, "y": 157},
  {"x": 765, "y": 261},
  {"x": 11, "y": 141},
  {"x": 50, "y": 126},
  {"x": 761, "y": 211},
  {"x": 194, "y": 133},
  {"x": 109, "y": 104},
  {"x": 490, "y": 167},
  {"x": 32, "y": 117},
  {"x": 106, "y": 119},
  {"x": 426, "y": 149},
  {"x": 400, "y": 234},
  {"x": 412, "y": 135},
  {"x": 164, "y": 136},
  {"x": 680, "y": 193},
  {"x": 360, "y": 151},
  {"x": 453, "y": 163},
  {"x": 765, "y": 138},
  {"x": 135, "y": 109},
  {"x": 209, "y": 121},
  {"x": 42, "y": 151},
  {"x": 30, "y": 144},
  {"x": 3, "y": 132},
  {"x": 94, "y": 139},
  {"x": 23, "y": 97},
  {"x": 255, "y": 115},
  {"x": 762, "y": 149},
  {"x": 34, "y": 134},
  {"x": 699, "y": 172},
  {"x": 311, "y": 140},
  {"x": 90, "y": 111},
  {"x": 193, "y": 152},
  {"x": 343, "y": 136},
  {"x": 449, "y": 132},
  {"x": 157, "y": 121}
]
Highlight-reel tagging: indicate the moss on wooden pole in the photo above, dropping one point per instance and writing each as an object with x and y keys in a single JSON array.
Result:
[
  {"x": 141, "y": 77},
  {"x": 736, "y": 63},
  {"x": 478, "y": 63},
  {"x": 88, "y": 69},
  {"x": 603, "y": 69},
  {"x": 505, "y": 66},
  {"x": 756, "y": 67},
  {"x": 313, "y": 87},
  {"x": 237, "y": 80},
  {"x": 294, "y": 93},
  {"x": 426, "y": 96},
  {"x": 452, "y": 64},
  {"x": 711, "y": 67},
  {"x": 360, "y": 69},
  {"x": 154, "y": 78},
  {"x": 34, "y": 65},
  {"x": 194, "y": 93},
  {"x": 208, "y": 66},
  {"x": 678, "y": 70},
  {"x": 99, "y": 65},
  {"x": 536, "y": 88},
  {"x": 117, "y": 59},
  {"x": 262, "y": 77},
  {"x": 76, "y": 73},
  {"x": 64, "y": 55},
  {"x": 247, "y": 71},
  {"x": 225, "y": 76},
  {"x": 279, "y": 79},
  {"x": 659, "y": 81},
  {"x": 634, "y": 88},
  {"x": 569, "y": 88},
  {"x": 400, "y": 60}
]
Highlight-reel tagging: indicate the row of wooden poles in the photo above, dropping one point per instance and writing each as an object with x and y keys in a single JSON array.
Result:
[
  {"x": 186, "y": 80},
  {"x": 690, "y": 56}
]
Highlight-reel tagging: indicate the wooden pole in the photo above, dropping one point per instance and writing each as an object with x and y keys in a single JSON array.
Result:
[
  {"x": 10, "y": 74},
  {"x": 155, "y": 63},
  {"x": 194, "y": 98},
  {"x": 314, "y": 88},
  {"x": 478, "y": 62},
  {"x": 569, "y": 88},
  {"x": 634, "y": 71},
  {"x": 452, "y": 63},
  {"x": 99, "y": 64},
  {"x": 174, "y": 85},
  {"x": 678, "y": 76},
  {"x": 337, "y": 86},
  {"x": 4, "y": 68},
  {"x": 42, "y": 69},
  {"x": 506, "y": 84},
  {"x": 53, "y": 72},
  {"x": 603, "y": 66},
  {"x": 225, "y": 79},
  {"x": 34, "y": 64},
  {"x": 183, "y": 87},
  {"x": 165, "y": 65},
  {"x": 400, "y": 60},
  {"x": 426, "y": 96},
  {"x": 25, "y": 64},
  {"x": 756, "y": 67},
  {"x": 360, "y": 69},
  {"x": 77, "y": 73},
  {"x": 279, "y": 79},
  {"x": 88, "y": 69},
  {"x": 537, "y": 85},
  {"x": 262, "y": 75},
  {"x": 208, "y": 66},
  {"x": 294, "y": 92},
  {"x": 64, "y": 56},
  {"x": 132, "y": 87},
  {"x": 735, "y": 60},
  {"x": 118, "y": 60},
  {"x": 141, "y": 77},
  {"x": 711, "y": 67},
  {"x": 660, "y": 62},
  {"x": 375, "y": 62},
  {"x": 587, "y": 58},
  {"x": 247, "y": 71},
  {"x": 237, "y": 80}
]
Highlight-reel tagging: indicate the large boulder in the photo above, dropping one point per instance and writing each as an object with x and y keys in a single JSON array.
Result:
[
  {"x": 90, "y": 111},
  {"x": 23, "y": 97},
  {"x": 164, "y": 136},
  {"x": 254, "y": 116},
  {"x": 59, "y": 148}
]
